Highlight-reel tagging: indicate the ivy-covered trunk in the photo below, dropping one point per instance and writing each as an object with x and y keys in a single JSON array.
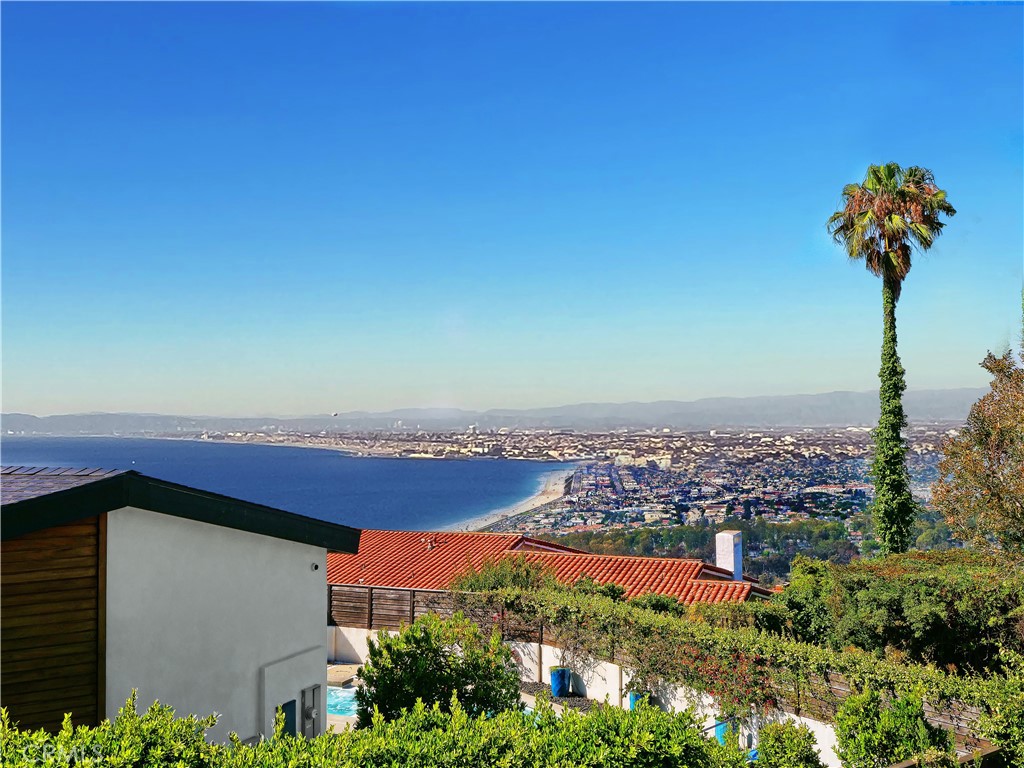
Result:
[{"x": 894, "y": 509}]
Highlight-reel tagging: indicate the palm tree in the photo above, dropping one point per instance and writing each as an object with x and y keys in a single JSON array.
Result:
[{"x": 881, "y": 221}]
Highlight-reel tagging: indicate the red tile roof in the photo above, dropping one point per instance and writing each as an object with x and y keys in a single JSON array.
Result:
[
  {"x": 424, "y": 560},
  {"x": 715, "y": 591},
  {"x": 637, "y": 575}
]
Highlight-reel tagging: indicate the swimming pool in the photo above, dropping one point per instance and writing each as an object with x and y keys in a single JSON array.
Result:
[{"x": 341, "y": 700}]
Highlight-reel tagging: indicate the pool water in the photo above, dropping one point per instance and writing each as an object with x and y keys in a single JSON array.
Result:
[{"x": 341, "y": 700}]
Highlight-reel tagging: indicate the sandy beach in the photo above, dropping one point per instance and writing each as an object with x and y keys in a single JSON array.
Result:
[{"x": 551, "y": 488}]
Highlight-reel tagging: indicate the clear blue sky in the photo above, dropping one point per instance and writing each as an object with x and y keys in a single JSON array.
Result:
[{"x": 299, "y": 208}]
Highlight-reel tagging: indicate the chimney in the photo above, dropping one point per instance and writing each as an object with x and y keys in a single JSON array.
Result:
[{"x": 729, "y": 552}]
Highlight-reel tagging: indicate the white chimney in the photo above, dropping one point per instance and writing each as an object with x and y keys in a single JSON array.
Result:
[{"x": 729, "y": 552}]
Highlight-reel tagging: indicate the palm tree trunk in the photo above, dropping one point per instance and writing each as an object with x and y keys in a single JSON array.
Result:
[{"x": 894, "y": 509}]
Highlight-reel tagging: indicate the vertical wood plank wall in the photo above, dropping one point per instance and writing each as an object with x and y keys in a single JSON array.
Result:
[{"x": 51, "y": 614}]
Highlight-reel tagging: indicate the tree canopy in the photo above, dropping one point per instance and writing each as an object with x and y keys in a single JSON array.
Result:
[{"x": 981, "y": 474}]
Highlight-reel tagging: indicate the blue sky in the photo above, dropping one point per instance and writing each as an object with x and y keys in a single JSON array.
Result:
[{"x": 299, "y": 208}]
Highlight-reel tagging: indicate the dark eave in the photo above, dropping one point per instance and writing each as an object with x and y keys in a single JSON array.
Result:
[{"x": 130, "y": 489}]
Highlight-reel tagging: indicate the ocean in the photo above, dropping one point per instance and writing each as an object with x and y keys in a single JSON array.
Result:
[{"x": 400, "y": 494}]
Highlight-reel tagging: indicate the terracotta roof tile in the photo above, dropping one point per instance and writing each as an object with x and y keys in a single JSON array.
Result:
[
  {"x": 637, "y": 575},
  {"x": 424, "y": 560},
  {"x": 714, "y": 591}
]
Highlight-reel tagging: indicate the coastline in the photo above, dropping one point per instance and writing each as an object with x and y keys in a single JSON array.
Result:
[
  {"x": 551, "y": 488},
  {"x": 550, "y": 484}
]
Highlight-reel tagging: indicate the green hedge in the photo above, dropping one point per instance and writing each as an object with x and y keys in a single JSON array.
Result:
[
  {"x": 422, "y": 737},
  {"x": 955, "y": 608}
]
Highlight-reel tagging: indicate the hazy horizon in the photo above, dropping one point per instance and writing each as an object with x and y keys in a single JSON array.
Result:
[
  {"x": 331, "y": 414},
  {"x": 263, "y": 208}
]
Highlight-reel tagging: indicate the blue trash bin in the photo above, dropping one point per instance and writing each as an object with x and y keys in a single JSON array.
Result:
[
  {"x": 561, "y": 678},
  {"x": 635, "y": 697}
]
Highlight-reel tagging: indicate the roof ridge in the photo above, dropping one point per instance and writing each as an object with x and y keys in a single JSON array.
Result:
[
  {"x": 643, "y": 558},
  {"x": 448, "y": 533}
]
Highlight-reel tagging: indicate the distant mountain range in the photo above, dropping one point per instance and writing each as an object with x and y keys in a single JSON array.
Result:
[{"x": 828, "y": 409}]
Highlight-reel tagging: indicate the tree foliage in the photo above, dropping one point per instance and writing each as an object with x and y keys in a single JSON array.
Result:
[
  {"x": 873, "y": 733},
  {"x": 881, "y": 221},
  {"x": 433, "y": 660},
  {"x": 981, "y": 474},
  {"x": 787, "y": 745},
  {"x": 954, "y": 608},
  {"x": 778, "y": 543}
]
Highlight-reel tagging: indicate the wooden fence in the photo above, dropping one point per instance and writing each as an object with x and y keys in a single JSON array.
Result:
[
  {"x": 366, "y": 607},
  {"x": 388, "y": 608}
]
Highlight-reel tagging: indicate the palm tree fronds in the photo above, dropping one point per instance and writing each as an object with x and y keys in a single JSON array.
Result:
[{"x": 883, "y": 216}]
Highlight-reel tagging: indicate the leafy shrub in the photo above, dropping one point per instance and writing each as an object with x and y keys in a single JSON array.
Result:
[
  {"x": 585, "y": 585},
  {"x": 873, "y": 734},
  {"x": 953, "y": 607},
  {"x": 504, "y": 573},
  {"x": 433, "y": 660},
  {"x": 659, "y": 604},
  {"x": 787, "y": 745},
  {"x": 420, "y": 738},
  {"x": 156, "y": 739},
  {"x": 519, "y": 573},
  {"x": 1002, "y": 719}
]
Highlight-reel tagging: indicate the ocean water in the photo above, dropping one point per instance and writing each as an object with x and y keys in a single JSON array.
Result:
[{"x": 401, "y": 494}]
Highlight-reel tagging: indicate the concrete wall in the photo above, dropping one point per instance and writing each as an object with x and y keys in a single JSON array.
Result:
[
  {"x": 604, "y": 681},
  {"x": 210, "y": 619},
  {"x": 347, "y": 645}
]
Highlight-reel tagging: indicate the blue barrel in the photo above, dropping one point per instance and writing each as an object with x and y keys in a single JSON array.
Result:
[
  {"x": 634, "y": 698},
  {"x": 561, "y": 677}
]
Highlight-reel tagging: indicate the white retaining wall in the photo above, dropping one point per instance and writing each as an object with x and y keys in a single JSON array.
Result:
[{"x": 602, "y": 681}]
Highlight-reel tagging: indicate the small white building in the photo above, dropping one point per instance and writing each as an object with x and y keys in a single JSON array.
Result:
[{"x": 113, "y": 581}]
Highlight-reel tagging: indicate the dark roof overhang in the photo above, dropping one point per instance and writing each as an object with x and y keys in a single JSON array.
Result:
[{"x": 131, "y": 489}]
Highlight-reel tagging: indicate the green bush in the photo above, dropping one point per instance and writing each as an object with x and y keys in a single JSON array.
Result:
[
  {"x": 504, "y": 573},
  {"x": 1002, "y": 719},
  {"x": 432, "y": 660},
  {"x": 949, "y": 608},
  {"x": 156, "y": 739},
  {"x": 871, "y": 733},
  {"x": 585, "y": 585},
  {"x": 659, "y": 604},
  {"x": 787, "y": 745},
  {"x": 420, "y": 738}
]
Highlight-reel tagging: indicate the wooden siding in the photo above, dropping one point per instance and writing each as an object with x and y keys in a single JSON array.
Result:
[{"x": 51, "y": 614}]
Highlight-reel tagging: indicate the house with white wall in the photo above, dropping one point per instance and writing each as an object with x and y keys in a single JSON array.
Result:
[
  {"x": 397, "y": 576},
  {"x": 114, "y": 581}
]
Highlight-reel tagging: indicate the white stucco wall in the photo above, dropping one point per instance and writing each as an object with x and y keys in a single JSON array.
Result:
[{"x": 211, "y": 619}]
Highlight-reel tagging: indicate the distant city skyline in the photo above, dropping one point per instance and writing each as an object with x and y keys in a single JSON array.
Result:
[{"x": 240, "y": 209}]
